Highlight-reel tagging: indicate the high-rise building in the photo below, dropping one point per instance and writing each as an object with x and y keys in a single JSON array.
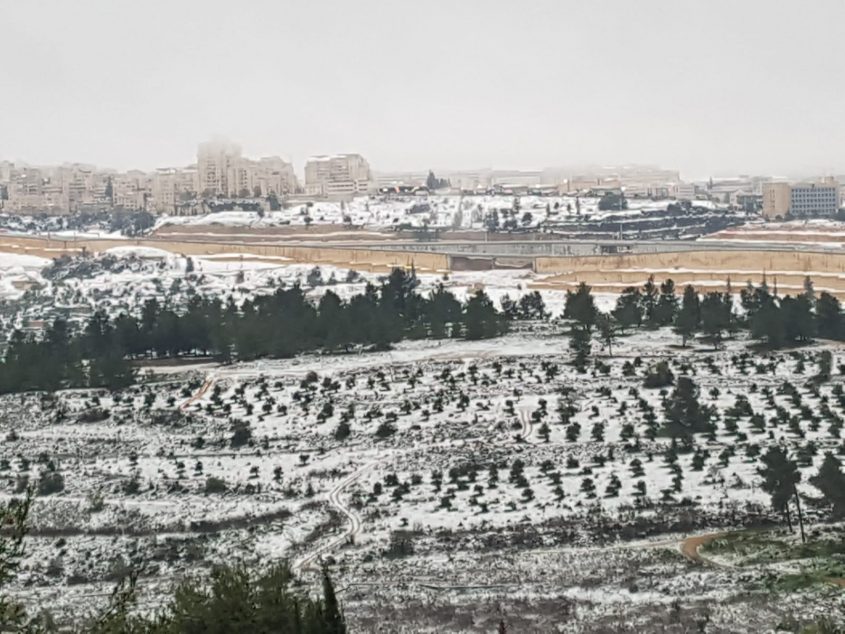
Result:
[{"x": 216, "y": 164}]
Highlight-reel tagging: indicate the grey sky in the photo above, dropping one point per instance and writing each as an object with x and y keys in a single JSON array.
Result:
[{"x": 707, "y": 87}]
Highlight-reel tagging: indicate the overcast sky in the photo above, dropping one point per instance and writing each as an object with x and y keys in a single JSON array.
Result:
[{"x": 713, "y": 87}]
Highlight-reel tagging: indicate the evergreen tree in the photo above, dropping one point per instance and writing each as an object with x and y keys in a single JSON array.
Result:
[
  {"x": 831, "y": 482},
  {"x": 829, "y": 317},
  {"x": 443, "y": 312},
  {"x": 649, "y": 301},
  {"x": 684, "y": 415},
  {"x": 333, "y": 617},
  {"x": 607, "y": 331},
  {"x": 766, "y": 319},
  {"x": 780, "y": 476},
  {"x": 579, "y": 342},
  {"x": 628, "y": 312},
  {"x": 481, "y": 320},
  {"x": 688, "y": 318},
  {"x": 798, "y": 319},
  {"x": 667, "y": 305},
  {"x": 716, "y": 316},
  {"x": 580, "y": 307}
]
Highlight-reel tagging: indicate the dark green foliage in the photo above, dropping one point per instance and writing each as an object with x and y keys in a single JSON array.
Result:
[
  {"x": 581, "y": 307},
  {"x": 233, "y": 599},
  {"x": 629, "y": 311},
  {"x": 829, "y": 317},
  {"x": 831, "y": 482},
  {"x": 716, "y": 316},
  {"x": 685, "y": 416},
  {"x": 780, "y": 475},
  {"x": 13, "y": 515},
  {"x": 481, "y": 320},
  {"x": 688, "y": 318},
  {"x": 667, "y": 305},
  {"x": 659, "y": 375},
  {"x": 280, "y": 325}
]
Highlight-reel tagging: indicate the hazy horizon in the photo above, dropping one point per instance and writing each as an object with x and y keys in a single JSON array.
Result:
[{"x": 714, "y": 89}]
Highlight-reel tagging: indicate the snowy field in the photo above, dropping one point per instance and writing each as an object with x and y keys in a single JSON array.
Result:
[
  {"x": 456, "y": 212},
  {"x": 123, "y": 278},
  {"x": 446, "y": 482}
]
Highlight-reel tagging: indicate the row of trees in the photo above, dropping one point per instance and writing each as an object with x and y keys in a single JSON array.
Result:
[
  {"x": 772, "y": 320},
  {"x": 280, "y": 325}
]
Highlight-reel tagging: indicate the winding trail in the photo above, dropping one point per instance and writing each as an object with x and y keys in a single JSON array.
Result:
[
  {"x": 690, "y": 547},
  {"x": 525, "y": 419},
  {"x": 199, "y": 393},
  {"x": 306, "y": 562}
]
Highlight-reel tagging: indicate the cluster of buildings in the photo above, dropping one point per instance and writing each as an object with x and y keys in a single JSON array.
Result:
[{"x": 221, "y": 172}]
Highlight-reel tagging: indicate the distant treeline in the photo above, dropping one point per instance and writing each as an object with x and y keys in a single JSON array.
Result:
[
  {"x": 280, "y": 325},
  {"x": 774, "y": 321},
  {"x": 286, "y": 323}
]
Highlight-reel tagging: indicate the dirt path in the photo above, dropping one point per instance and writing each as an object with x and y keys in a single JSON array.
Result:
[
  {"x": 354, "y": 521},
  {"x": 690, "y": 547},
  {"x": 199, "y": 393}
]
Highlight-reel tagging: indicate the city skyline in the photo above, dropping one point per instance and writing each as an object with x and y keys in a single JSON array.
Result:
[{"x": 451, "y": 87}]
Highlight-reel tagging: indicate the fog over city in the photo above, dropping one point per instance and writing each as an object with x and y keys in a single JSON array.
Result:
[{"x": 710, "y": 88}]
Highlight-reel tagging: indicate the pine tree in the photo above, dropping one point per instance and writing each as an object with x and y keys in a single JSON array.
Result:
[
  {"x": 685, "y": 416},
  {"x": 580, "y": 307},
  {"x": 780, "y": 476},
  {"x": 829, "y": 317},
  {"x": 831, "y": 482},
  {"x": 649, "y": 301},
  {"x": 481, "y": 320},
  {"x": 667, "y": 305},
  {"x": 579, "y": 342},
  {"x": 335, "y": 623},
  {"x": 628, "y": 311},
  {"x": 716, "y": 315},
  {"x": 607, "y": 331},
  {"x": 688, "y": 318}
]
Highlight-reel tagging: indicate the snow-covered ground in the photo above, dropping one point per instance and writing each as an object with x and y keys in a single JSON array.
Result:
[
  {"x": 473, "y": 475},
  {"x": 457, "y": 212},
  {"x": 123, "y": 278},
  {"x": 475, "y": 482}
]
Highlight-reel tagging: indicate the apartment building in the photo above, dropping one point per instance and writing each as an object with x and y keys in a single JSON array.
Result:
[
  {"x": 171, "y": 188},
  {"x": 131, "y": 190},
  {"x": 33, "y": 190},
  {"x": 274, "y": 175},
  {"x": 217, "y": 168},
  {"x": 801, "y": 200},
  {"x": 339, "y": 176}
]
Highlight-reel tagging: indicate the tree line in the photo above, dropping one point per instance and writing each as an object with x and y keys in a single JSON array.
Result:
[
  {"x": 773, "y": 321},
  {"x": 280, "y": 325}
]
